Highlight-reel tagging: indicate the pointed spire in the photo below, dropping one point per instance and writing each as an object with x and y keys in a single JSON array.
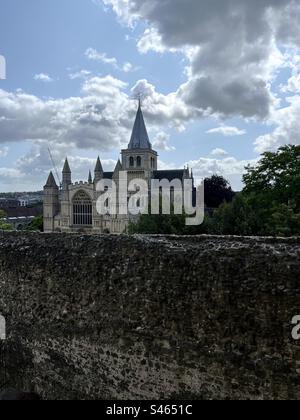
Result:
[
  {"x": 66, "y": 175},
  {"x": 51, "y": 183},
  {"x": 98, "y": 171},
  {"x": 90, "y": 179},
  {"x": 98, "y": 167},
  {"x": 66, "y": 169},
  {"x": 139, "y": 138}
]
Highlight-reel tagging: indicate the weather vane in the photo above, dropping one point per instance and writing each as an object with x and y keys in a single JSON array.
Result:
[{"x": 139, "y": 96}]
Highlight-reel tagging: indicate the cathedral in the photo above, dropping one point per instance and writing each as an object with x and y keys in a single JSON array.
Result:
[{"x": 72, "y": 207}]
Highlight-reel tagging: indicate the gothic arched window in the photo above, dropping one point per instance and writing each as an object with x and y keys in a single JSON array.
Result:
[
  {"x": 82, "y": 210},
  {"x": 139, "y": 161},
  {"x": 131, "y": 162}
]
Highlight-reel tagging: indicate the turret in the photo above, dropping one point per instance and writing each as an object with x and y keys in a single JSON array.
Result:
[
  {"x": 51, "y": 203},
  {"x": 67, "y": 175},
  {"x": 98, "y": 171},
  {"x": 90, "y": 179}
]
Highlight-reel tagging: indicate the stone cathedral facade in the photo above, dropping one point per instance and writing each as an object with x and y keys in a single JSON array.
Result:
[{"x": 71, "y": 207}]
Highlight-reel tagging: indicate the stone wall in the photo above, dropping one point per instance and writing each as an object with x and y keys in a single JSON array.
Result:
[{"x": 118, "y": 317}]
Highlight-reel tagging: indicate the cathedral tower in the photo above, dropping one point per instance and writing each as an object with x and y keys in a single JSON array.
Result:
[{"x": 139, "y": 158}]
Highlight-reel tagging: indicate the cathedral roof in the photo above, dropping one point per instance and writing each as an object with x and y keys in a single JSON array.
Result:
[
  {"x": 67, "y": 167},
  {"x": 139, "y": 138},
  {"x": 108, "y": 175},
  {"x": 51, "y": 183},
  {"x": 170, "y": 175}
]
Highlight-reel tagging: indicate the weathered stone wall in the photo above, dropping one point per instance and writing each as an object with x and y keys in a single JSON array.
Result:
[{"x": 119, "y": 317}]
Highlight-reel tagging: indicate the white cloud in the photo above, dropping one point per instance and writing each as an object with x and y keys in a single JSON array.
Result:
[
  {"x": 228, "y": 167},
  {"x": 151, "y": 41},
  {"x": 93, "y": 54},
  {"x": 4, "y": 151},
  {"x": 43, "y": 77},
  {"x": 128, "y": 67},
  {"x": 122, "y": 9},
  {"x": 100, "y": 120},
  {"x": 162, "y": 109},
  {"x": 287, "y": 130},
  {"x": 293, "y": 85},
  {"x": 161, "y": 142},
  {"x": 227, "y": 131},
  {"x": 164, "y": 166},
  {"x": 219, "y": 153},
  {"x": 82, "y": 74},
  {"x": 232, "y": 48}
]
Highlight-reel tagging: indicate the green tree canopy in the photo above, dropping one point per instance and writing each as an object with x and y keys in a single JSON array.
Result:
[
  {"x": 3, "y": 224},
  {"x": 217, "y": 191},
  {"x": 37, "y": 224},
  {"x": 270, "y": 202},
  {"x": 277, "y": 176}
]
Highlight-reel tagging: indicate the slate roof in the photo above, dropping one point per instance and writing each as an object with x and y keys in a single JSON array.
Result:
[
  {"x": 139, "y": 138},
  {"x": 108, "y": 175},
  {"x": 169, "y": 174}
]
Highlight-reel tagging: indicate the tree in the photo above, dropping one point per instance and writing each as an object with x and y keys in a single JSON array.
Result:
[
  {"x": 37, "y": 224},
  {"x": 3, "y": 224},
  {"x": 217, "y": 191},
  {"x": 277, "y": 176},
  {"x": 270, "y": 202},
  {"x": 159, "y": 224},
  {"x": 241, "y": 217}
]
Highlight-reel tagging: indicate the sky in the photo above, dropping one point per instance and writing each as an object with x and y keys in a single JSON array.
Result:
[{"x": 220, "y": 79}]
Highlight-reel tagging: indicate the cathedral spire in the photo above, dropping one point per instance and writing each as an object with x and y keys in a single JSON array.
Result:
[
  {"x": 90, "y": 179},
  {"x": 67, "y": 175},
  {"x": 66, "y": 169},
  {"x": 139, "y": 138}
]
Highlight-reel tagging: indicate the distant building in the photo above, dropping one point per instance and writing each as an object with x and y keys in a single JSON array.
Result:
[
  {"x": 29, "y": 201},
  {"x": 73, "y": 206},
  {"x": 8, "y": 203}
]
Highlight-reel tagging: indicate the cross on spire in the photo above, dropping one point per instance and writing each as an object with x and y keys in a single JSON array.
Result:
[{"x": 139, "y": 96}]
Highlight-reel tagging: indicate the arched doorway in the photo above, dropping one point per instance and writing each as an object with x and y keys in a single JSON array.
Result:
[{"x": 82, "y": 210}]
